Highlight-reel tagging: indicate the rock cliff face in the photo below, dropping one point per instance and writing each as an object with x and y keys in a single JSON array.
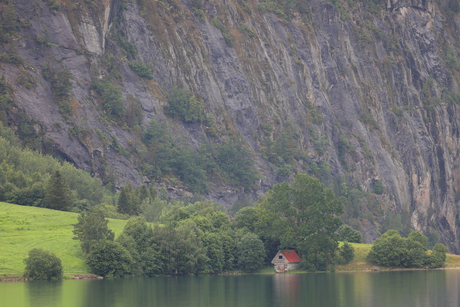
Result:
[{"x": 385, "y": 83}]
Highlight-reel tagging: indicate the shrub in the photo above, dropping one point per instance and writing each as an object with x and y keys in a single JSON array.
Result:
[
  {"x": 346, "y": 233},
  {"x": 392, "y": 250},
  {"x": 109, "y": 259},
  {"x": 437, "y": 256},
  {"x": 42, "y": 265},
  {"x": 184, "y": 105},
  {"x": 389, "y": 250},
  {"x": 141, "y": 69},
  {"x": 378, "y": 187},
  {"x": 223, "y": 29},
  {"x": 112, "y": 100}
]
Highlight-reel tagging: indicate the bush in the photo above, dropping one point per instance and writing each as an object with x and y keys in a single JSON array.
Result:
[
  {"x": 42, "y": 265},
  {"x": 378, "y": 187},
  {"x": 109, "y": 259},
  {"x": 183, "y": 105},
  {"x": 112, "y": 100},
  {"x": 389, "y": 250},
  {"x": 346, "y": 233},
  {"x": 437, "y": 257},
  {"x": 392, "y": 250},
  {"x": 141, "y": 69}
]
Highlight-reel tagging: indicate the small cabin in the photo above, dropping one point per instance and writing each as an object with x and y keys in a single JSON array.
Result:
[{"x": 286, "y": 260}]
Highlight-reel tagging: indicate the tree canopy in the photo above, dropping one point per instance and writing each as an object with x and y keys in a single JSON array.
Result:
[{"x": 302, "y": 215}]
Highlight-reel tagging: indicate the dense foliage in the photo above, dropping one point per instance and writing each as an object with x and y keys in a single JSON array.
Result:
[
  {"x": 109, "y": 259},
  {"x": 42, "y": 265},
  {"x": 393, "y": 250},
  {"x": 29, "y": 178},
  {"x": 141, "y": 69},
  {"x": 57, "y": 194},
  {"x": 184, "y": 105},
  {"x": 346, "y": 233},
  {"x": 91, "y": 229},
  {"x": 230, "y": 161},
  {"x": 302, "y": 215}
]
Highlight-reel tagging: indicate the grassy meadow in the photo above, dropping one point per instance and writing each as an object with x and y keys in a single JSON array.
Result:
[{"x": 23, "y": 228}]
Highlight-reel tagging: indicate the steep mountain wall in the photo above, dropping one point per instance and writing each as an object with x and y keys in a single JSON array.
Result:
[{"x": 371, "y": 91}]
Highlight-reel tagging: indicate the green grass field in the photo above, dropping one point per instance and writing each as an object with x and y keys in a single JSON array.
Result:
[{"x": 23, "y": 228}]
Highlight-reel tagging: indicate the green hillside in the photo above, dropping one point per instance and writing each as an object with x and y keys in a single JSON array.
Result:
[{"x": 23, "y": 228}]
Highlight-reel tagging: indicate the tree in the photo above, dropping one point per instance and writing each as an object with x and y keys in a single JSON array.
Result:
[
  {"x": 128, "y": 202},
  {"x": 109, "y": 259},
  {"x": 214, "y": 252},
  {"x": 245, "y": 217},
  {"x": 91, "y": 229},
  {"x": 389, "y": 250},
  {"x": 304, "y": 216},
  {"x": 437, "y": 256},
  {"x": 251, "y": 253},
  {"x": 346, "y": 233},
  {"x": 57, "y": 194},
  {"x": 417, "y": 247},
  {"x": 42, "y": 264},
  {"x": 347, "y": 253},
  {"x": 138, "y": 238},
  {"x": 229, "y": 247},
  {"x": 183, "y": 247},
  {"x": 392, "y": 250}
]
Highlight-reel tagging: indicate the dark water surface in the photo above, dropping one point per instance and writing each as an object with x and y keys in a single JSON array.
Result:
[{"x": 410, "y": 288}]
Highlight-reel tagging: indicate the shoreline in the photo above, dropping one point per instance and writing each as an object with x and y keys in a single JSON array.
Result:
[{"x": 16, "y": 278}]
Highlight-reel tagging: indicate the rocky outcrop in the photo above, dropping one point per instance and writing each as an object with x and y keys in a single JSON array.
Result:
[{"x": 380, "y": 81}]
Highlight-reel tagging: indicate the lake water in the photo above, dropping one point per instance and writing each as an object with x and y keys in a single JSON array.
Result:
[{"x": 409, "y": 288}]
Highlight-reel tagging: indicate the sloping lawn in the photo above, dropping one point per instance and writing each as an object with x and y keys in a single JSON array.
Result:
[{"x": 23, "y": 228}]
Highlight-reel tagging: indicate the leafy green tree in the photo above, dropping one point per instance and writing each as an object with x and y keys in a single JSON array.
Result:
[
  {"x": 215, "y": 252},
  {"x": 57, "y": 194},
  {"x": 417, "y": 247},
  {"x": 128, "y": 202},
  {"x": 229, "y": 247},
  {"x": 347, "y": 253},
  {"x": 220, "y": 220},
  {"x": 183, "y": 247},
  {"x": 389, "y": 250},
  {"x": 246, "y": 217},
  {"x": 304, "y": 216},
  {"x": 346, "y": 233},
  {"x": 145, "y": 252},
  {"x": 250, "y": 253},
  {"x": 437, "y": 256},
  {"x": 91, "y": 229},
  {"x": 109, "y": 259},
  {"x": 42, "y": 265}
]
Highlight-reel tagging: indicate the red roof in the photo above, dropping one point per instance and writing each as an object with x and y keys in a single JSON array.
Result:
[{"x": 291, "y": 256}]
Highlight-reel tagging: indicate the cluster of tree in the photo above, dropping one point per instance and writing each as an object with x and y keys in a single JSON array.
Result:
[
  {"x": 231, "y": 162},
  {"x": 197, "y": 238},
  {"x": 411, "y": 252},
  {"x": 30, "y": 179}
]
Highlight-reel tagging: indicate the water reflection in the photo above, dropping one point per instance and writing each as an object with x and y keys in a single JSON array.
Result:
[{"x": 408, "y": 289}]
